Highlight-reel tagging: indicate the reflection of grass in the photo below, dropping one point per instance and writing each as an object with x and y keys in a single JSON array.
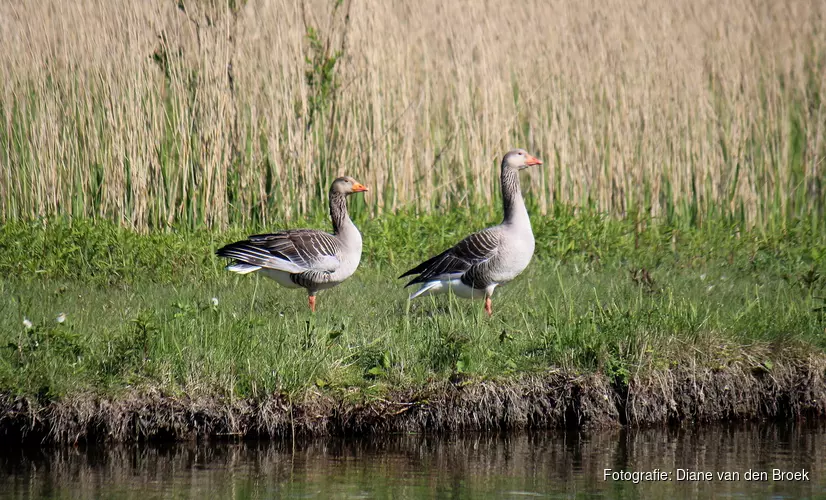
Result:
[{"x": 602, "y": 296}]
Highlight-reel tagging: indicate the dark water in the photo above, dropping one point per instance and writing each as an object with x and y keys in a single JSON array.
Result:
[{"x": 542, "y": 465}]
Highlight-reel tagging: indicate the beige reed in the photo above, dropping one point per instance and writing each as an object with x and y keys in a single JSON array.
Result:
[{"x": 159, "y": 112}]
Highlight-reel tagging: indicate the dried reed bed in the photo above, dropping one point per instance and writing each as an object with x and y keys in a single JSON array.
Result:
[{"x": 152, "y": 114}]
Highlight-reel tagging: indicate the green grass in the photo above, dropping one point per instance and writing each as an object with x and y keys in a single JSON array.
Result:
[{"x": 617, "y": 297}]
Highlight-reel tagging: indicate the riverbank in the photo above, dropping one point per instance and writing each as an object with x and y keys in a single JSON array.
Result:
[
  {"x": 794, "y": 389},
  {"x": 112, "y": 335}
]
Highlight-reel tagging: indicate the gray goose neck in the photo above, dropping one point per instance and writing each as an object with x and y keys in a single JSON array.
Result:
[
  {"x": 513, "y": 204},
  {"x": 338, "y": 211}
]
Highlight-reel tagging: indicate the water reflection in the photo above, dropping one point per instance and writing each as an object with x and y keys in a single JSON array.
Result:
[{"x": 552, "y": 464}]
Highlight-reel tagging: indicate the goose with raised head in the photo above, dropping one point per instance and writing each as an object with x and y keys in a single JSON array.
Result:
[
  {"x": 305, "y": 258},
  {"x": 491, "y": 257}
]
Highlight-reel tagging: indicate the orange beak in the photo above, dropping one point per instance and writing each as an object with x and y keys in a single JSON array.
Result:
[
  {"x": 532, "y": 160},
  {"x": 359, "y": 187}
]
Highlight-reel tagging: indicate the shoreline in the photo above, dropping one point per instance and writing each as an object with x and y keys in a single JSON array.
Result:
[
  {"x": 145, "y": 337},
  {"x": 793, "y": 388}
]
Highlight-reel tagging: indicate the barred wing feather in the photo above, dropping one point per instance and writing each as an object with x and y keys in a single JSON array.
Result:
[
  {"x": 294, "y": 251},
  {"x": 465, "y": 258}
]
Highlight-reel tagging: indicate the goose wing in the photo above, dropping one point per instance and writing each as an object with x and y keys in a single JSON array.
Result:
[
  {"x": 466, "y": 257},
  {"x": 293, "y": 251}
]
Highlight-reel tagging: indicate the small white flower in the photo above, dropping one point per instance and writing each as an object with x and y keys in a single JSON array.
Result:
[
  {"x": 710, "y": 288},
  {"x": 61, "y": 317},
  {"x": 214, "y": 301},
  {"x": 703, "y": 277},
  {"x": 27, "y": 323}
]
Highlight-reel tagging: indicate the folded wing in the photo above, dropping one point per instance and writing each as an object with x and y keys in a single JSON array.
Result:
[
  {"x": 465, "y": 259},
  {"x": 295, "y": 251}
]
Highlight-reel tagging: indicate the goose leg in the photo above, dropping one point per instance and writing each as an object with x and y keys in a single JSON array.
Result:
[
  {"x": 311, "y": 300},
  {"x": 488, "y": 308}
]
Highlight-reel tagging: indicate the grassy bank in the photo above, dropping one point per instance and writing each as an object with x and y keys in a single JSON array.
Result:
[
  {"x": 697, "y": 128},
  {"x": 630, "y": 313}
]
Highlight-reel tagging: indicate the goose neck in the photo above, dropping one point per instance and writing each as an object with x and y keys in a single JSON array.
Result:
[
  {"x": 338, "y": 212},
  {"x": 512, "y": 201}
]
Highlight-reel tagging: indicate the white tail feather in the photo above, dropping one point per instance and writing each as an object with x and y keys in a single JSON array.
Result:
[
  {"x": 242, "y": 268},
  {"x": 426, "y": 288}
]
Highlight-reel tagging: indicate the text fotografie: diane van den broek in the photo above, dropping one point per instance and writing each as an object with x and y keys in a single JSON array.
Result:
[
  {"x": 692, "y": 475},
  {"x": 635, "y": 476}
]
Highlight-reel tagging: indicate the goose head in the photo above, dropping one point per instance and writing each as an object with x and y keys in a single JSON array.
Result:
[
  {"x": 519, "y": 159},
  {"x": 347, "y": 185}
]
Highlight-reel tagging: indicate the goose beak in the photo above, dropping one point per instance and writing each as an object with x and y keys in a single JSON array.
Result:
[
  {"x": 532, "y": 160},
  {"x": 359, "y": 187}
]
